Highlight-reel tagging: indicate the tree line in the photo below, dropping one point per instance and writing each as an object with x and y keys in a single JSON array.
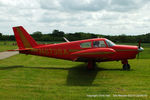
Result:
[{"x": 57, "y": 35}]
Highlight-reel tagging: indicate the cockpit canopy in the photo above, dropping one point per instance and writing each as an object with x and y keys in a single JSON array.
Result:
[{"x": 98, "y": 43}]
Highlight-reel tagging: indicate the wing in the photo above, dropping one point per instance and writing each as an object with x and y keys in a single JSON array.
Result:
[{"x": 95, "y": 53}]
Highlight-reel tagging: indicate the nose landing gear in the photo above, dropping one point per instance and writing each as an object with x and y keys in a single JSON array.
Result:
[{"x": 126, "y": 66}]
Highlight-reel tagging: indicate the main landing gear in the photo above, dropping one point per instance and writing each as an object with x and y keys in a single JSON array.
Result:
[
  {"x": 126, "y": 66},
  {"x": 91, "y": 65}
]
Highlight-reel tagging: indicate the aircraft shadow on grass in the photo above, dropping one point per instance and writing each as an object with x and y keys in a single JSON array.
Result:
[
  {"x": 80, "y": 76},
  {"x": 77, "y": 75}
]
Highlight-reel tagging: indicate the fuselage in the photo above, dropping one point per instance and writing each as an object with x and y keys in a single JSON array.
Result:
[{"x": 99, "y": 49}]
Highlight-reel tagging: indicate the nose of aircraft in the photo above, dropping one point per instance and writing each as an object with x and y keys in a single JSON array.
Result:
[{"x": 140, "y": 49}]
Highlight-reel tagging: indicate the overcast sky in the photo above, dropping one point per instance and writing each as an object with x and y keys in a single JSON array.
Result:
[{"x": 109, "y": 17}]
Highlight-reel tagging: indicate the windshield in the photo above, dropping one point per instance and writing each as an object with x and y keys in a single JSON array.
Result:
[{"x": 109, "y": 43}]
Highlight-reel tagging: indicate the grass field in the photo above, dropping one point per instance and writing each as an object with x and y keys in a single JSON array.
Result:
[
  {"x": 7, "y": 45},
  {"x": 38, "y": 78}
]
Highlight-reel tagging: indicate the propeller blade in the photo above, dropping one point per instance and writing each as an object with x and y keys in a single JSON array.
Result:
[
  {"x": 140, "y": 49},
  {"x": 139, "y": 44}
]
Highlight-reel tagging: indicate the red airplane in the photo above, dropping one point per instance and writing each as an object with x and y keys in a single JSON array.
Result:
[{"x": 90, "y": 50}]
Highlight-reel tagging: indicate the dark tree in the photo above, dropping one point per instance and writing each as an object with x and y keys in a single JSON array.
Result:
[
  {"x": 0, "y": 34},
  {"x": 37, "y": 35},
  {"x": 58, "y": 33}
]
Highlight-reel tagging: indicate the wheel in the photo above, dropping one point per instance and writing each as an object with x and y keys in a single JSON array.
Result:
[
  {"x": 126, "y": 67},
  {"x": 91, "y": 65}
]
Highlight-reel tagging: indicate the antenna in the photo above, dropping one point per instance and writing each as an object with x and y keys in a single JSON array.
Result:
[{"x": 66, "y": 39}]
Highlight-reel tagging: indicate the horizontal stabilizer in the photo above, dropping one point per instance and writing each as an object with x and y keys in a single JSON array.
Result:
[{"x": 21, "y": 49}]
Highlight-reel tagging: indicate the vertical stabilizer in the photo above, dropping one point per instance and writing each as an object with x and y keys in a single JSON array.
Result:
[{"x": 24, "y": 40}]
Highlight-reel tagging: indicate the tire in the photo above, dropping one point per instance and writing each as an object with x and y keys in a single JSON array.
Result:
[{"x": 126, "y": 67}]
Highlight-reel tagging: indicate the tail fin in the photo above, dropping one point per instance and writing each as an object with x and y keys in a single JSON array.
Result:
[{"x": 24, "y": 40}]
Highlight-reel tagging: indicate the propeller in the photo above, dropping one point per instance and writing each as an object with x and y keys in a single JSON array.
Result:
[
  {"x": 139, "y": 49},
  {"x": 139, "y": 46}
]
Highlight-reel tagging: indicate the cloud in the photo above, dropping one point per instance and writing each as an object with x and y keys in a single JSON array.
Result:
[
  {"x": 126, "y": 5},
  {"x": 49, "y": 4},
  {"x": 27, "y": 4},
  {"x": 93, "y": 5},
  {"x": 97, "y": 16},
  {"x": 85, "y": 5}
]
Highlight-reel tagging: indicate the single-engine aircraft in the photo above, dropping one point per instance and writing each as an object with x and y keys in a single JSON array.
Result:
[{"x": 90, "y": 50}]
